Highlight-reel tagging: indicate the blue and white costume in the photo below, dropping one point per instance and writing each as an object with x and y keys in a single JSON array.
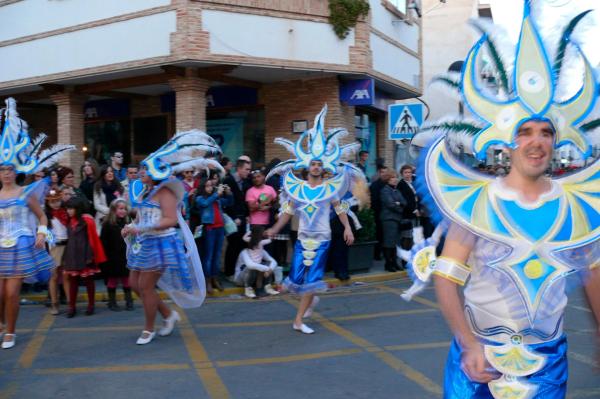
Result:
[
  {"x": 312, "y": 205},
  {"x": 515, "y": 279},
  {"x": 169, "y": 251},
  {"x": 18, "y": 225}
]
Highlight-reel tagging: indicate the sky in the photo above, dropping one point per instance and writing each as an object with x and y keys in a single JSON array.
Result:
[{"x": 555, "y": 13}]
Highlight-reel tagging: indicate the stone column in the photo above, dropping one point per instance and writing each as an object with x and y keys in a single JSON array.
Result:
[
  {"x": 190, "y": 102},
  {"x": 69, "y": 109}
]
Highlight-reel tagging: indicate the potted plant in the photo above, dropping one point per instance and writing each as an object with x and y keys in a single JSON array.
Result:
[{"x": 360, "y": 256}]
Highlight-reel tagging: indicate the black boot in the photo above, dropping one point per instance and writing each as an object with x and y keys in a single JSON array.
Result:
[
  {"x": 390, "y": 261},
  {"x": 128, "y": 299},
  {"x": 112, "y": 300}
]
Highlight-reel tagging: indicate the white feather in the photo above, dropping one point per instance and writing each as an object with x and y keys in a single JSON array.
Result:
[
  {"x": 52, "y": 155},
  {"x": 289, "y": 145}
]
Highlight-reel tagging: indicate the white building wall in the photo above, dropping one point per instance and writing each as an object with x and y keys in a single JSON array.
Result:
[
  {"x": 134, "y": 39},
  {"x": 270, "y": 37},
  {"x": 395, "y": 62},
  {"x": 390, "y": 25},
  {"x": 447, "y": 37},
  {"x": 29, "y": 17}
]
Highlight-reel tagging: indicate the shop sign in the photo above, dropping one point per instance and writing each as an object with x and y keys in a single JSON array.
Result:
[
  {"x": 357, "y": 92},
  {"x": 106, "y": 109},
  {"x": 229, "y": 135},
  {"x": 217, "y": 97}
]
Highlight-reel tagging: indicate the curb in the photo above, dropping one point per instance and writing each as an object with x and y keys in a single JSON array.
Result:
[{"x": 331, "y": 282}]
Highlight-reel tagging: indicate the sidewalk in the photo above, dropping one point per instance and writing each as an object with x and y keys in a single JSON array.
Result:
[{"x": 375, "y": 274}]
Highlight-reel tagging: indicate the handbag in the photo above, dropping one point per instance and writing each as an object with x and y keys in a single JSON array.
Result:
[{"x": 230, "y": 226}]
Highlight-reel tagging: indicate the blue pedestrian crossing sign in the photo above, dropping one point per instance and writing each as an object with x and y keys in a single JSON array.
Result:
[{"x": 404, "y": 120}]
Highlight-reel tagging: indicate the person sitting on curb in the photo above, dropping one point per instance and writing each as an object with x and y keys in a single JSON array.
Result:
[{"x": 255, "y": 266}]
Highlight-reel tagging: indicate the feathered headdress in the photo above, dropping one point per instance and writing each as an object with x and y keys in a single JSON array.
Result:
[
  {"x": 17, "y": 149},
  {"x": 185, "y": 150},
  {"x": 313, "y": 145},
  {"x": 524, "y": 92}
]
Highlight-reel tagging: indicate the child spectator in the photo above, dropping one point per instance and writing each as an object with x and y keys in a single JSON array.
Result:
[
  {"x": 210, "y": 201},
  {"x": 57, "y": 223},
  {"x": 255, "y": 266},
  {"x": 115, "y": 269},
  {"x": 83, "y": 253}
]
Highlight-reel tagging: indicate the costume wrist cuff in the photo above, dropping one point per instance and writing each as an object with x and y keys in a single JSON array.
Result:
[
  {"x": 287, "y": 208},
  {"x": 452, "y": 270},
  {"x": 342, "y": 207},
  {"x": 42, "y": 230},
  {"x": 146, "y": 228}
]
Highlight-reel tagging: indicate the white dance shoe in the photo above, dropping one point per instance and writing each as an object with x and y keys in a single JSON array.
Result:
[
  {"x": 170, "y": 321},
  {"x": 270, "y": 290},
  {"x": 311, "y": 308},
  {"x": 9, "y": 344},
  {"x": 146, "y": 337},
  {"x": 303, "y": 328}
]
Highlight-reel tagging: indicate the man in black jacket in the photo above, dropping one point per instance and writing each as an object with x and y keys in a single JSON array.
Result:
[
  {"x": 375, "y": 190},
  {"x": 238, "y": 182}
]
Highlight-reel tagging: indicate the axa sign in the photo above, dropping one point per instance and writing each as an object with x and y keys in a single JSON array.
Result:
[{"x": 357, "y": 91}]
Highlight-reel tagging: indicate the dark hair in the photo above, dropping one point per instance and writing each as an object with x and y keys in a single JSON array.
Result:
[
  {"x": 240, "y": 163},
  {"x": 95, "y": 168},
  {"x": 406, "y": 166},
  {"x": 77, "y": 204},
  {"x": 62, "y": 172},
  {"x": 132, "y": 166},
  {"x": 256, "y": 235},
  {"x": 100, "y": 181},
  {"x": 202, "y": 187},
  {"x": 224, "y": 161},
  {"x": 361, "y": 152}
]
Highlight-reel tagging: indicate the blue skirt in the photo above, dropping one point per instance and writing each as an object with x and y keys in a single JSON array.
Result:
[
  {"x": 23, "y": 260},
  {"x": 304, "y": 279},
  {"x": 164, "y": 254},
  {"x": 551, "y": 380}
]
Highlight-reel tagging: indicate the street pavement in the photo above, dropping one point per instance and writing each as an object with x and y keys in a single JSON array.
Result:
[{"x": 369, "y": 343}]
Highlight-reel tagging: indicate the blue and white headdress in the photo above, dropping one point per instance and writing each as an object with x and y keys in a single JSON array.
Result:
[
  {"x": 315, "y": 144},
  {"x": 530, "y": 93},
  {"x": 16, "y": 147},
  {"x": 185, "y": 150}
]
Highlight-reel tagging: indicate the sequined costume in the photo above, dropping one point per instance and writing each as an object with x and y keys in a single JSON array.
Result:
[
  {"x": 515, "y": 280},
  {"x": 312, "y": 204}
]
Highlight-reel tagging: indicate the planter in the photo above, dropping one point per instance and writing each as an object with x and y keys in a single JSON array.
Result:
[{"x": 360, "y": 256}]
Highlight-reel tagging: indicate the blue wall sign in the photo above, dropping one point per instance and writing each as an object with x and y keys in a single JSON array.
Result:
[
  {"x": 357, "y": 92},
  {"x": 217, "y": 97},
  {"x": 106, "y": 109},
  {"x": 404, "y": 120}
]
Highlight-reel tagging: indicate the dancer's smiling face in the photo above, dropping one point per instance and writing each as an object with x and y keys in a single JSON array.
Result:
[
  {"x": 7, "y": 174},
  {"x": 535, "y": 141}
]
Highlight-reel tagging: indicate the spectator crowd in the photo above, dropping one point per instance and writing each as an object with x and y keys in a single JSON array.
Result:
[{"x": 228, "y": 214}]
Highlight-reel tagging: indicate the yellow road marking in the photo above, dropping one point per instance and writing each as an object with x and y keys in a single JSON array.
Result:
[
  {"x": 339, "y": 318},
  {"x": 386, "y": 357},
  {"x": 112, "y": 369},
  {"x": 581, "y": 308},
  {"x": 204, "y": 367},
  {"x": 585, "y": 393},
  {"x": 33, "y": 347},
  {"x": 415, "y": 298},
  {"x": 9, "y": 390},
  {"x": 583, "y": 359},
  {"x": 427, "y": 345},
  {"x": 288, "y": 359}
]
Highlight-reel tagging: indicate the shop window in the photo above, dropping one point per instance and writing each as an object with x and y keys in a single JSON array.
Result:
[
  {"x": 102, "y": 138},
  {"x": 149, "y": 134}
]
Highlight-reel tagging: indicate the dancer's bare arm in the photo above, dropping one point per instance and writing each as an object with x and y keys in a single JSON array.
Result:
[
  {"x": 457, "y": 247},
  {"x": 592, "y": 291},
  {"x": 284, "y": 218}
]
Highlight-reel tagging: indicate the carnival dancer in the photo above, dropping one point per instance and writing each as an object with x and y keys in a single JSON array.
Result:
[
  {"x": 156, "y": 254},
  {"x": 513, "y": 241},
  {"x": 83, "y": 254},
  {"x": 311, "y": 199},
  {"x": 22, "y": 245}
]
